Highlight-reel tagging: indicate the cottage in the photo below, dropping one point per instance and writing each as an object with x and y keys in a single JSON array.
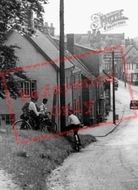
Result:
[{"x": 39, "y": 57}]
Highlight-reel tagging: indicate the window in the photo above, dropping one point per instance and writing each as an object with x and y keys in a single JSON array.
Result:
[
  {"x": 6, "y": 119},
  {"x": 27, "y": 87},
  {"x": 136, "y": 66}
]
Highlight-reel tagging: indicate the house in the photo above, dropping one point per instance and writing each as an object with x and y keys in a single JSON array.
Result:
[
  {"x": 131, "y": 54},
  {"x": 83, "y": 86},
  {"x": 132, "y": 69},
  {"x": 91, "y": 60},
  {"x": 83, "y": 92},
  {"x": 40, "y": 60}
]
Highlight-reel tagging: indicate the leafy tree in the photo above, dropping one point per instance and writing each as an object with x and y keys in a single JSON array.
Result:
[{"x": 15, "y": 14}]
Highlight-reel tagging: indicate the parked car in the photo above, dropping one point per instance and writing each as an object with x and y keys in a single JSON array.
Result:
[{"x": 134, "y": 104}]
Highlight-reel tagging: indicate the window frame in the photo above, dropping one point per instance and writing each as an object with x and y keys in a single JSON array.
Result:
[{"x": 25, "y": 90}]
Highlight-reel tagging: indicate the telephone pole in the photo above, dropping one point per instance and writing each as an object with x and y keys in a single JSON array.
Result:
[
  {"x": 114, "y": 118},
  {"x": 62, "y": 67}
]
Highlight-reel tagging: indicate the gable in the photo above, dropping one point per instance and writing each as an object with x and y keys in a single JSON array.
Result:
[
  {"x": 28, "y": 54},
  {"x": 50, "y": 49},
  {"x": 130, "y": 50},
  {"x": 32, "y": 60}
]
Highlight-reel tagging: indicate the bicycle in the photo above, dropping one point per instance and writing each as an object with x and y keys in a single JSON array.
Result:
[
  {"x": 47, "y": 124},
  {"x": 28, "y": 123},
  {"x": 77, "y": 143},
  {"x": 23, "y": 123}
]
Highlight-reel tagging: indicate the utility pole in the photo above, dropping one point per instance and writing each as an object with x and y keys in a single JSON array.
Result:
[
  {"x": 114, "y": 118},
  {"x": 62, "y": 67}
]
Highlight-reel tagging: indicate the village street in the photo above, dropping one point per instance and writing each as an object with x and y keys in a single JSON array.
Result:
[{"x": 111, "y": 163}]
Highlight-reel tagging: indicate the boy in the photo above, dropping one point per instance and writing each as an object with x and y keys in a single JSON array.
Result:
[
  {"x": 34, "y": 113},
  {"x": 74, "y": 123},
  {"x": 43, "y": 107}
]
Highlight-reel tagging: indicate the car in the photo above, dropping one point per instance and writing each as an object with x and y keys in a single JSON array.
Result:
[{"x": 134, "y": 104}]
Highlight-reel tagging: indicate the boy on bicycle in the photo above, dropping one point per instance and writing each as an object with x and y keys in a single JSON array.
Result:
[
  {"x": 34, "y": 111},
  {"x": 74, "y": 123},
  {"x": 43, "y": 108}
]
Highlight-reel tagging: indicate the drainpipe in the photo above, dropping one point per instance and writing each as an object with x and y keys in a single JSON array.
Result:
[{"x": 72, "y": 69}]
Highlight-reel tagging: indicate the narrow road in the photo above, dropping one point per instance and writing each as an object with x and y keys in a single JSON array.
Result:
[{"x": 109, "y": 164}]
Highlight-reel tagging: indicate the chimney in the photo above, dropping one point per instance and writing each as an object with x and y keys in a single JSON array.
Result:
[
  {"x": 127, "y": 42},
  {"x": 70, "y": 43},
  {"x": 89, "y": 34},
  {"x": 52, "y": 30},
  {"x": 46, "y": 28}
]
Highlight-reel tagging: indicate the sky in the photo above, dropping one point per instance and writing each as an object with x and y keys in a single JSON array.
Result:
[{"x": 77, "y": 15}]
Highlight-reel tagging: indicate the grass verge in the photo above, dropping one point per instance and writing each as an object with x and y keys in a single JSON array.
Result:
[{"x": 31, "y": 163}]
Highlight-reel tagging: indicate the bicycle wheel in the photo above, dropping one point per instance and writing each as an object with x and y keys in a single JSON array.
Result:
[
  {"x": 77, "y": 144},
  {"x": 21, "y": 125},
  {"x": 52, "y": 127},
  {"x": 44, "y": 126}
]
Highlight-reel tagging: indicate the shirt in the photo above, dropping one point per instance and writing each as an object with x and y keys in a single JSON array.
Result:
[
  {"x": 72, "y": 119},
  {"x": 32, "y": 106},
  {"x": 43, "y": 108}
]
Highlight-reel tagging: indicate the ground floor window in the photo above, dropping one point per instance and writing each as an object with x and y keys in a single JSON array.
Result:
[
  {"x": 27, "y": 87},
  {"x": 6, "y": 119},
  {"x": 134, "y": 76}
]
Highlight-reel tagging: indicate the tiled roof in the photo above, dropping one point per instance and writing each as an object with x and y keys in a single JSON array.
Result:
[
  {"x": 127, "y": 49},
  {"x": 75, "y": 61},
  {"x": 132, "y": 59},
  {"x": 49, "y": 48},
  {"x": 135, "y": 60},
  {"x": 79, "y": 66}
]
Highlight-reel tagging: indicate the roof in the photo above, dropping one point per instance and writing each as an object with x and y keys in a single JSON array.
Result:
[
  {"x": 49, "y": 48},
  {"x": 132, "y": 59},
  {"x": 135, "y": 60},
  {"x": 79, "y": 66},
  {"x": 127, "y": 48},
  {"x": 75, "y": 61}
]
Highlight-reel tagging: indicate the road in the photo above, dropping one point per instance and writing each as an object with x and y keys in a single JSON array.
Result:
[{"x": 109, "y": 164}]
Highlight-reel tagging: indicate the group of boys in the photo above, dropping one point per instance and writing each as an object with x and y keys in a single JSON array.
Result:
[{"x": 35, "y": 113}]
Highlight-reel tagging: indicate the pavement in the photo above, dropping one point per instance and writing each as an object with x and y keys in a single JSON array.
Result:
[
  {"x": 104, "y": 128},
  {"x": 131, "y": 88}
]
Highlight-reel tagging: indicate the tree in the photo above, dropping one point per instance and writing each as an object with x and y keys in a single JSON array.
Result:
[{"x": 17, "y": 15}]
